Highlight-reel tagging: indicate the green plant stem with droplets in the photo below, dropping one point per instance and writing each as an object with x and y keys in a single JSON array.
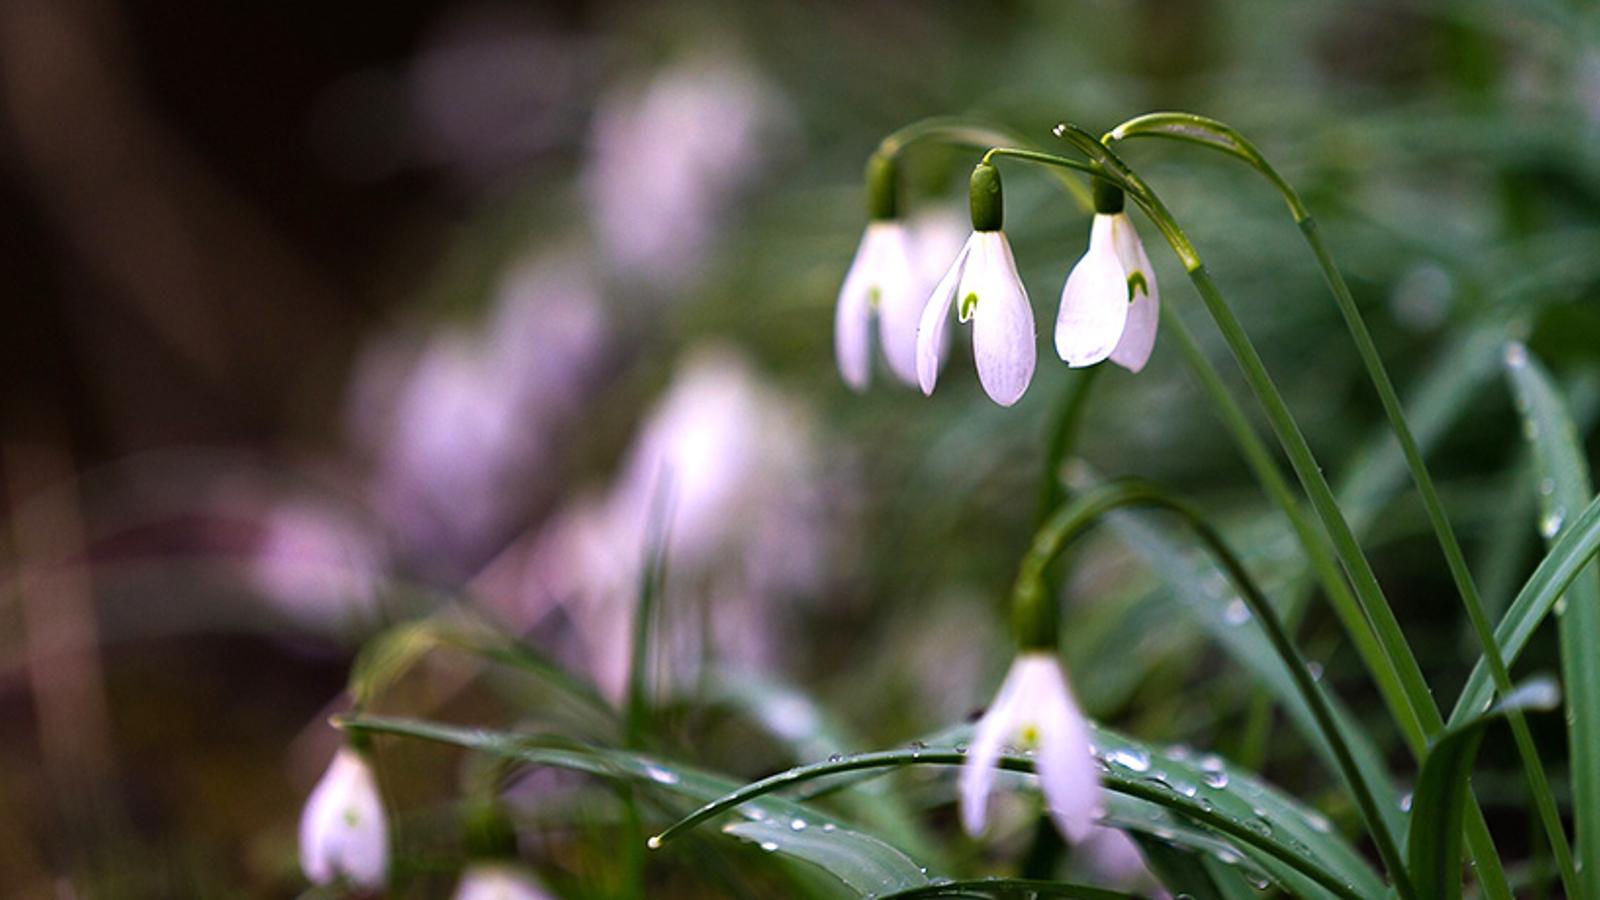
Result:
[
  {"x": 1219, "y": 136},
  {"x": 1035, "y": 615}
]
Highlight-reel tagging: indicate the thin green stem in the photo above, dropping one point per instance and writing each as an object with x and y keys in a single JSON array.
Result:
[
  {"x": 1078, "y": 516},
  {"x": 962, "y": 132},
  {"x": 1210, "y": 133},
  {"x": 637, "y": 709},
  {"x": 1064, "y": 429}
]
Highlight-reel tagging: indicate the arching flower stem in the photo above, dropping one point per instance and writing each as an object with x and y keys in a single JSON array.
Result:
[{"x": 1034, "y": 612}]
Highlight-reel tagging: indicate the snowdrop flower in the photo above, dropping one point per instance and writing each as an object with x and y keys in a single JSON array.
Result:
[
  {"x": 1111, "y": 305},
  {"x": 1035, "y": 711},
  {"x": 984, "y": 278},
  {"x": 498, "y": 881},
  {"x": 882, "y": 282},
  {"x": 344, "y": 835}
]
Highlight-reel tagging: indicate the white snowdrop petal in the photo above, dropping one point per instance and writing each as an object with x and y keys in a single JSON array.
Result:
[
  {"x": 935, "y": 317},
  {"x": 1094, "y": 302},
  {"x": 1004, "y": 343},
  {"x": 994, "y": 730},
  {"x": 1139, "y": 334},
  {"x": 1144, "y": 310},
  {"x": 852, "y": 317},
  {"x": 900, "y": 300},
  {"x": 1068, "y": 775}
]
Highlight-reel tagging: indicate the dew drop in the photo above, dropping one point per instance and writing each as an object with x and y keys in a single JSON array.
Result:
[
  {"x": 1236, "y": 613},
  {"x": 660, "y": 775},
  {"x": 1547, "y": 486},
  {"x": 797, "y": 825},
  {"x": 769, "y": 846},
  {"x": 829, "y": 826},
  {"x": 1217, "y": 779},
  {"x": 1405, "y": 803},
  {"x": 1129, "y": 758},
  {"x": 1550, "y": 524},
  {"x": 654, "y": 843},
  {"x": 1516, "y": 355},
  {"x": 835, "y": 757}
]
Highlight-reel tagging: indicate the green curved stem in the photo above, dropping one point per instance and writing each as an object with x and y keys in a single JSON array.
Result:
[
  {"x": 1219, "y": 136},
  {"x": 1064, "y": 429},
  {"x": 1077, "y": 516},
  {"x": 956, "y": 131}
]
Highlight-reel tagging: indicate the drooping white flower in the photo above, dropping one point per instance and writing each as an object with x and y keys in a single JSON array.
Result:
[
  {"x": 882, "y": 282},
  {"x": 984, "y": 278},
  {"x": 1035, "y": 711},
  {"x": 344, "y": 835},
  {"x": 498, "y": 881},
  {"x": 1110, "y": 306}
]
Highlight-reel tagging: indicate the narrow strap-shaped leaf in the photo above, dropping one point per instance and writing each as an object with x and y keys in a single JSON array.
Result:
[
  {"x": 1571, "y": 552},
  {"x": 1563, "y": 486},
  {"x": 1229, "y": 623},
  {"x": 1244, "y": 811},
  {"x": 1185, "y": 873},
  {"x": 812, "y": 835},
  {"x": 865, "y": 864},
  {"x": 1440, "y": 806},
  {"x": 1012, "y": 887}
]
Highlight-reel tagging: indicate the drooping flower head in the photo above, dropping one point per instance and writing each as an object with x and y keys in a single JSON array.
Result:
[
  {"x": 1035, "y": 711},
  {"x": 991, "y": 296},
  {"x": 882, "y": 282},
  {"x": 344, "y": 834},
  {"x": 1111, "y": 305}
]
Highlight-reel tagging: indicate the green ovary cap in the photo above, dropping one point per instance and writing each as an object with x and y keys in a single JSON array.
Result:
[
  {"x": 988, "y": 207},
  {"x": 1108, "y": 197},
  {"x": 883, "y": 187}
]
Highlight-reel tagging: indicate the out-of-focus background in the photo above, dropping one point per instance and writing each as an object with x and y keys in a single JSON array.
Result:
[{"x": 314, "y": 317}]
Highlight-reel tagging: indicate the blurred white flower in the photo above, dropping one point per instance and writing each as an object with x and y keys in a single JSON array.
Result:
[
  {"x": 668, "y": 159},
  {"x": 498, "y": 881},
  {"x": 893, "y": 270},
  {"x": 317, "y": 565},
  {"x": 937, "y": 234},
  {"x": 344, "y": 835},
  {"x": 881, "y": 283},
  {"x": 1110, "y": 306},
  {"x": 736, "y": 459},
  {"x": 992, "y": 297},
  {"x": 1035, "y": 711},
  {"x": 475, "y": 417}
]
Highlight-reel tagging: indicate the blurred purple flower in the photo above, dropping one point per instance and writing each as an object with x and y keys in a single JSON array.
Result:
[
  {"x": 317, "y": 565},
  {"x": 670, "y": 156},
  {"x": 465, "y": 427},
  {"x": 737, "y": 459}
]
